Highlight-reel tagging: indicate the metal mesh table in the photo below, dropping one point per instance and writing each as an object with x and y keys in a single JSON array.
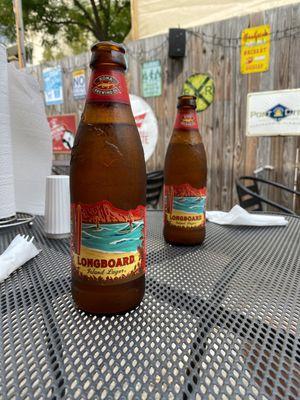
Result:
[{"x": 219, "y": 321}]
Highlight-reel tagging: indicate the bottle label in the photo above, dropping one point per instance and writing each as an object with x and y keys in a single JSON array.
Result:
[
  {"x": 108, "y": 243},
  {"x": 184, "y": 206},
  {"x": 186, "y": 120},
  {"x": 107, "y": 85}
]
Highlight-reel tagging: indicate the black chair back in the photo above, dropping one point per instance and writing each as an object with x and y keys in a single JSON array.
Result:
[
  {"x": 246, "y": 200},
  {"x": 60, "y": 170},
  {"x": 249, "y": 196},
  {"x": 155, "y": 182}
]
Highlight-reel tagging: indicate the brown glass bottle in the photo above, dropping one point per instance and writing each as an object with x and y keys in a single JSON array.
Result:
[
  {"x": 108, "y": 193},
  {"x": 185, "y": 179}
]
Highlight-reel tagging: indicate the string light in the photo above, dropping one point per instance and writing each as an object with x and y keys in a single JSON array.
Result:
[
  {"x": 143, "y": 55},
  {"x": 236, "y": 42}
]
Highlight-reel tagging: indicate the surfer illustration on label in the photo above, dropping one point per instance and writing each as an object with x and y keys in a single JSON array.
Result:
[
  {"x": 184, "y": 205},
  {"x": 108, "y": 244}
]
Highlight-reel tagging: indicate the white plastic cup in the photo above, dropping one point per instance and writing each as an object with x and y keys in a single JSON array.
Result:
[{"x": 57, "y": 207}]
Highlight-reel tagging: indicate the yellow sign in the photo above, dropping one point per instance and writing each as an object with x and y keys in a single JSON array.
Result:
[
  {"x": 185, "y": 220},
  {"x": 106, "y": 266},
  {"x": 255, "y": 49}
]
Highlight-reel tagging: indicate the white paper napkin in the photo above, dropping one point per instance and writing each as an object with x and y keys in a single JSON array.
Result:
[
  {"x": 7, "y": 190},
  {"x": 238, "y": 216},
  {"x": 31, "y": 141},
  {"x": 20, "y": 250}
]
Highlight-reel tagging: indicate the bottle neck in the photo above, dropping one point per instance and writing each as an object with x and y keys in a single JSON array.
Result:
[
  {"x": 186, "y": 119},
  {"x": 107, "y": 85}
]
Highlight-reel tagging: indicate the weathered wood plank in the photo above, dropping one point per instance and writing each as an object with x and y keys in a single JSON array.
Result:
[
  {"x": 263, "y": 152},
  {"x": 281, "y": 67},
  {"x": 292, "y": 143},
  {"x": 230, "y": 72},
  {"x": 239, "y": 123},
  {"x": 218, "y": 118}
]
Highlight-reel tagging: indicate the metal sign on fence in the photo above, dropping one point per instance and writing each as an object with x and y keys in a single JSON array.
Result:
[
  {"x": 53, "y": 87},
  {"x": 274, "y": 113},
  {"x": 79, "y": 84},
  {"x": 202, "y": 86},
  {"x": 146, "y": 123},
  {"x": 63, "y": 128},
  {"x": 255, "y": 49},
  {"x": 151, "y": 79}
]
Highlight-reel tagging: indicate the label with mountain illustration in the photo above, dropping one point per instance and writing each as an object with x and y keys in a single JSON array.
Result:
[
  {"x": 107, "y": 85},
  {"x": 184, "y": 205},
  {"x": 108, "y": 243}
]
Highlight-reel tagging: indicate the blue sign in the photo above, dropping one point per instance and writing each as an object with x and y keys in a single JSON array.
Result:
[{"x": 53, "y": 90}]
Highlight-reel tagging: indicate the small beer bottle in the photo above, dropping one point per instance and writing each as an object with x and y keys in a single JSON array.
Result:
[
  {"x": 185, "y": 179},
  {"x": 108, "y": 193}
]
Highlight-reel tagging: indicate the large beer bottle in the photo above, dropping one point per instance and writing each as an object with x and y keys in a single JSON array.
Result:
[
  {"x": 185, "y": 179},
  {"x": 108, "y": 193}
]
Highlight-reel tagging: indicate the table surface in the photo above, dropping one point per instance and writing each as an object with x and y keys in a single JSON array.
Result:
[{"x": 219, "y": 321}]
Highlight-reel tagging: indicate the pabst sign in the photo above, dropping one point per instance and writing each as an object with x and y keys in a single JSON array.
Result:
[{"x": 146, "y": 123}]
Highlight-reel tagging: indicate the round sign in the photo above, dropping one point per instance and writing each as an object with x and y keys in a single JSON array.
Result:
[
  {"x": 202, "y": 86},
  {"x": 146, "y": 123}
]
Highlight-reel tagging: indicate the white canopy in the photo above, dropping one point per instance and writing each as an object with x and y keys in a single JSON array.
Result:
[{"x": 154, "y": 17}]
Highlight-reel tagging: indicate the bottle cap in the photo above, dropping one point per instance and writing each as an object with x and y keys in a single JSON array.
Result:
[
  {"x": 107, "y": 53},
  {"x": 186, "y": 101}
]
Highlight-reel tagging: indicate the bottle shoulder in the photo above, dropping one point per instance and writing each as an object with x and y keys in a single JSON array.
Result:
[
  {"x": 107, "y": 113},
  {"x": 186, "y": 152},
  {"x": 185, "y": 137},
  {"x": 186, "y": 162}
]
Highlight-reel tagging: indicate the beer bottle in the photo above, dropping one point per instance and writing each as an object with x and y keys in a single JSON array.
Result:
[
  {"x": 108, "y": 193},
  {"x": 185, "y": 179}
]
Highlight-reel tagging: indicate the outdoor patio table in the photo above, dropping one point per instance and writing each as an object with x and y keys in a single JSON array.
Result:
[{"x": 218, "y": 321}]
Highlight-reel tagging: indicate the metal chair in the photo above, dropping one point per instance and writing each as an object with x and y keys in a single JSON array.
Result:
[
  {"x": 61, "y": 167},
  {"x": 60, "y": 170},
  {"x": 154, "y": 187},
  {"x": 250, "y": 197}
]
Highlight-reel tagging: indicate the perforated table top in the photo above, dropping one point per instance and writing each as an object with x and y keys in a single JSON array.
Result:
[{"x": 220, "y": 321}]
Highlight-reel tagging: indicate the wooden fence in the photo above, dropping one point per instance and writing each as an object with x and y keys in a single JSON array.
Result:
[{"x": 230, "y": 153}]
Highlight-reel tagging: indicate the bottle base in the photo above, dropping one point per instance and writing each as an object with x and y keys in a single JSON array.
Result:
[
  {"x": 185, "y": 244},
  {"x": 108, "y": 300},
  {"x": 184, "y": 237}
]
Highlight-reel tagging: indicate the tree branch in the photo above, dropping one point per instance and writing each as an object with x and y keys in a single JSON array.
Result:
[
  {"x": 85, "y": 12},
  {"x": 96, "y": 14},
  {"x": 119, "y": 8},
  {"x": 106, "y": 14},
  {"x": 67, "y": 22},
  {"x": 96, "y": 29},
  {"x": 100, "y": 4}
]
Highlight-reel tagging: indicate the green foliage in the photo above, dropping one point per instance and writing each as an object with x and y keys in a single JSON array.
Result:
[
  {"x": 7, "y": 20},
  {"x": 76, "y": 20}
]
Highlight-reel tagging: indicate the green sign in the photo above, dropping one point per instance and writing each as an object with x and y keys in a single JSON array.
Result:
[
  {"x": 151, "y": 75},
  {"x": 202, "y": 86}
]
